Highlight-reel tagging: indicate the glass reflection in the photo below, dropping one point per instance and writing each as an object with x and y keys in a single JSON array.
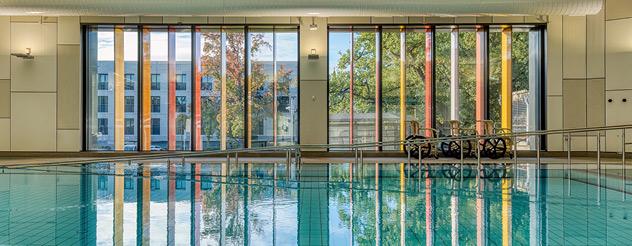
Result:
[{"x": 273, "y": 204}]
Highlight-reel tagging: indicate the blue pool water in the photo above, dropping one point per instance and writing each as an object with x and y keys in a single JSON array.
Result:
[{"x": 316, "y": 204}]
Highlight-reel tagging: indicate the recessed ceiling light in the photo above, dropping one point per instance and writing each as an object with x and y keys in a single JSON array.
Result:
[
  {"x": 313, "y": 13},
  {"x": 35, "y": 12}
]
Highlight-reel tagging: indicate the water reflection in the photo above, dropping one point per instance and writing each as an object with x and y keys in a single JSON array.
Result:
[{"x": 336, "y": 204}]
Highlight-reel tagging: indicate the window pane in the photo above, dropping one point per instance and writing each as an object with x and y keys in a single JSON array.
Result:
[
  {"x": 495, "y": 73},
  {"x": 364, "y": 86},
  {"x": 415, "y": 76},
  {"x": 467, "y": 78},
  {"x": 183, "y": 92},
  {"x": 262, "y": 88},
  {"x": 211, "y": 60},
  {"x": 235, "y": 61},
  {"x": 525, "y": 52},
  {"x": 158, "y": 53},
  {"x": 442, "y": 80},
  {"x": 100, "y": 69},
  {"x": 391, "y": 62},
  {"x": 286, "y": 45},
  {"x": 339, "y": 81}
]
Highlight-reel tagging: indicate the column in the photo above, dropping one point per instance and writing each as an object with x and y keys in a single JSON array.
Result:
[{"x": 505, "y": 80}]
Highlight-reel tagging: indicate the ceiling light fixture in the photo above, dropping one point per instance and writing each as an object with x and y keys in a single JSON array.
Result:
[
  {"x": 35, "y": 12},
  {"x": 313, "y": 26},
  {"x": 313, "y": 13}
]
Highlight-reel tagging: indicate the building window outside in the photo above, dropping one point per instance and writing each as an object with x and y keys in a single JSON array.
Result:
[
  {"x": 181, "y": 104},
  {"x": 206, "y": 83},
  {"x": 155, "y": 126},
  {"x": 129, "y": 104},
  {"x": 128, "y": 184},
  {"x": 103, "y": 104},
  {"x": 155, "y": 83},
  {"x": 129, "y": 126},
  {"x": 180, "y": 126},
  {"x": 129, "y": 81},
  {"x": 103, "y": 126},
  {"x": 155, "y": 104},
  {"x": 180, "y": 183},
  {"x": 103, "y": 81},
  {"x": 181, "y": 83},
  {"x": 155, "y": 184}
]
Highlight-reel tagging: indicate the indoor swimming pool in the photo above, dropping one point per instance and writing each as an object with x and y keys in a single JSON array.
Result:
[{"x": 312, "y": 204}]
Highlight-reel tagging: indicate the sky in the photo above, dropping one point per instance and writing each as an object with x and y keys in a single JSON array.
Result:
[{"x": 286, "y": 45}]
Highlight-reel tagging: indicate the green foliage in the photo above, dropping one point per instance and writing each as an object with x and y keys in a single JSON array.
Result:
[{"x": 364, "y": 61}]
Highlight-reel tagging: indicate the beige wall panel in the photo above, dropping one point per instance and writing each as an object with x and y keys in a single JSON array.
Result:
[
  {"x": 619, "y": 54},
  {"x": 416, "y": 19},
  {"x": 554, "y": 56},
  {"x": 193, "y": 20},
  {"x": 5, "y": 134},
  {"x": 49, "y": 19},
  {"x": 103, "y": 19},
  {"x": 132, "y": 19},
  {"x": 508, "y": 19},
  {"x": 33, "y": 122},
  {"x": 69, "y": 87},
  {"x": 595, "y": 110},
  {"x": 5, "y": 98},
  {"x": 350, "y": 20},
  {"x": 39, "y": 74},
  {"x": 313, "y": 108},
  {"x": 69, "y": 30},
  {"x": 33, "y": 19},
  {"x": 382, "y": 20},
  {"x": 554, "y": 121},
  {"x": 536, "y": 19},
  {"x": 215, "y": 20},
  {"x": 170, "y": 19},
  {"x": 617, "y": 9},
  {"x": 235, "y": 20},
  {"x": 68, "y": 140},
  {"x": 5, "y": 47},
  {"x": 314, "y": 69},
  {"x": 595, "y": 102},
  {"x": 465, "y": 20},
  {"x": 151, "y": 19},
  {"x": 400, "y": 20},
  {"x": 595, "y": 45},
  {"x": 484, "y": 19},
  {"x": 574, "y": 47},
  {"x": 574, "y": 94},
  {"x": 618, "y": 113},
  {"x": 574, "y": 103},
  {"x": 438, "y": 20},
  {"x": 268, "y": 20}
]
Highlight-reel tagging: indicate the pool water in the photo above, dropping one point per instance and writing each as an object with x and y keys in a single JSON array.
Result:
[{"x": 314, "y": 204}]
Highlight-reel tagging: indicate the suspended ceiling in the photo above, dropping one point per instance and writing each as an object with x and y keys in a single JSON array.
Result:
[{"x": 300, "y": 7}]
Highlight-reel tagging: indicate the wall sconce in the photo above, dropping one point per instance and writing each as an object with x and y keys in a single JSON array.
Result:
[
  {"x": 313, "y": 55},
  {"x": 313, "y": 26},
  {"x": 26, "y": 55}
]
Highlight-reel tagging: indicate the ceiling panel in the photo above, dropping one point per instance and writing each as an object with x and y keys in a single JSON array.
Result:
[{"x": 300, "y": 7}]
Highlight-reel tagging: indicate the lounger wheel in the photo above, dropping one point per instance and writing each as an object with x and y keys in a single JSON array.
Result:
[
  {"x": 413, "y": 149},
  {"x": 453, "y": 149},
  {"x": 495, "y": 148}
]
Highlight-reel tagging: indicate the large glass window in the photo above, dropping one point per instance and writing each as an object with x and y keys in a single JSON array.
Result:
[
  {"x": 273, "y": 86},
  {"x": 453, "y": 58},
  {"x": 232, "y": 114}
]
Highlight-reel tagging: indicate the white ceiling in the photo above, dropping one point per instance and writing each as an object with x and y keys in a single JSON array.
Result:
[{"x": 300, "y": 7}]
